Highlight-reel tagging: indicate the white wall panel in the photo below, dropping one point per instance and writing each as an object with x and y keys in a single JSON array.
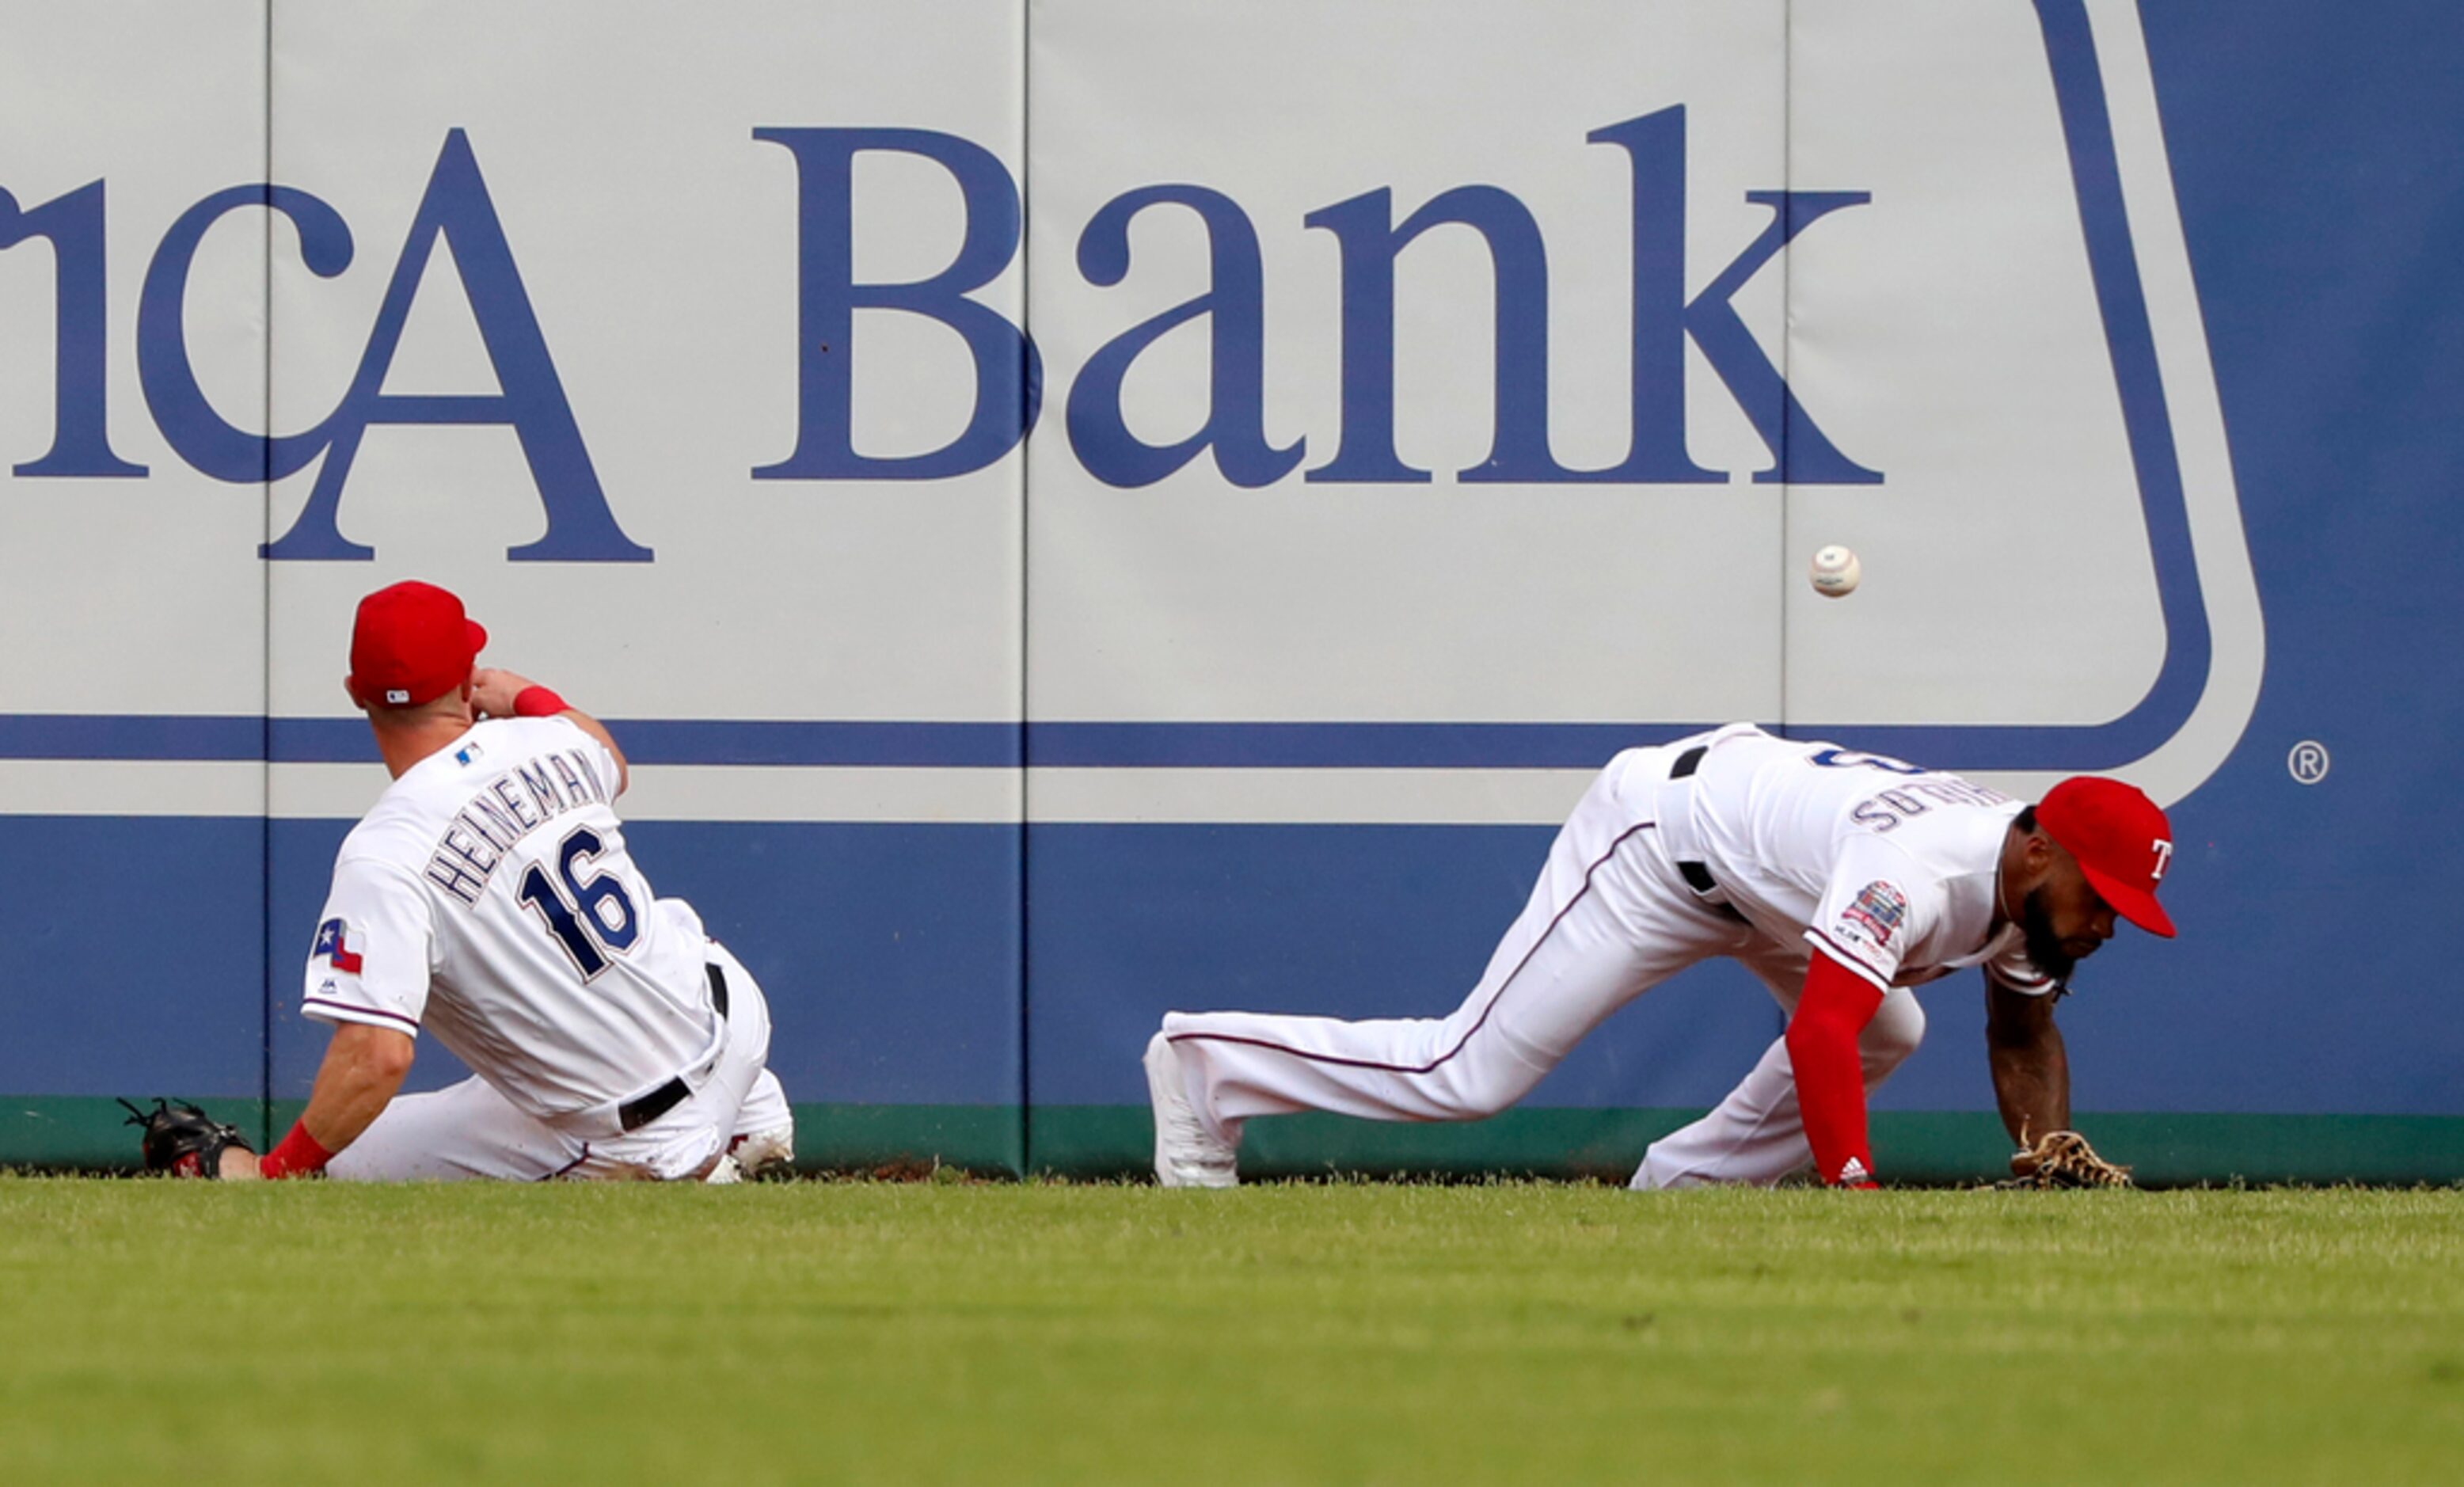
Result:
[
  {"x": 134, "y": 592},
  {"x": 1196, "y": 598},
  {"x": 658, "y": 240},
  {"x": 1950, "y": 331}
]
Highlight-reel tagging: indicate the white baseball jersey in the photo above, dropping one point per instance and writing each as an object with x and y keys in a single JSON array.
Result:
[
  {"x": 489, "y": 899},
  {"x": 1887, "y": 867}
]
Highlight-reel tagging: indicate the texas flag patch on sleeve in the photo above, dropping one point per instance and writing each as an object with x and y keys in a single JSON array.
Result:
[{"x": 333, "y": 947}]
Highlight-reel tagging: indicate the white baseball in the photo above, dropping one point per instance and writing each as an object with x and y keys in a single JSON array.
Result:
[{"x": 1836, "y": 572}]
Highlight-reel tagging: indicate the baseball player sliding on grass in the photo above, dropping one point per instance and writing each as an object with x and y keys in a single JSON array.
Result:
[
  {"x": 489, "y": 899},
  {"x": 1841, "y": 879}
]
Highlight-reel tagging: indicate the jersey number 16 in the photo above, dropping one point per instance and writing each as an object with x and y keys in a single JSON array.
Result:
[{"x": 593, "y": 915}]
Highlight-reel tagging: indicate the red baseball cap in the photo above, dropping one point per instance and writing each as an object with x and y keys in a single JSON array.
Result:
[
  {"x": 411, "y": 644},
  {"x": 2122, "y": 840}
]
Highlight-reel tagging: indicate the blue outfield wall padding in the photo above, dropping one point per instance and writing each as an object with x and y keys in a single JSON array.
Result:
[
  {"x": 132, "y": 956},
  {"x": 2314, "y": 973},
  {"x": 890, "y": 954}
]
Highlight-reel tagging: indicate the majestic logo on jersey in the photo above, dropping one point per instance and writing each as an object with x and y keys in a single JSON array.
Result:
[
  {"x": 1874, "y": 916},
  {"x": 2163, "y": 860},
  {"x": 330, "y": 947}
]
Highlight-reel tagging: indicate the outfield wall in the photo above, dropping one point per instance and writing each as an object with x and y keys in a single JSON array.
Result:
[{"x": 1083, "y": 507}]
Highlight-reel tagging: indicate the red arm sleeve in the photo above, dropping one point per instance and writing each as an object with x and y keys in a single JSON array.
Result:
[{"x": 1829, "y": 1078}]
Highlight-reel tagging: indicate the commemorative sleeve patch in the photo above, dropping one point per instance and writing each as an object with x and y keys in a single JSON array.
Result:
[
  {"x": 1873, "y": 918},
  {"x": 333, "y": 947}
]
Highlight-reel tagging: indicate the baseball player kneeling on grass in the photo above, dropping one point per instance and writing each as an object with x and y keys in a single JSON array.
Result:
[
  {"x": 1841, "y": 879},
  {"x": 490, "y": 900}
]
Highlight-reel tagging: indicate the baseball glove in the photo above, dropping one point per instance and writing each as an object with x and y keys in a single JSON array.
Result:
[
  {"x": 2063, "y": 1159},
  {"x": 184, "y": 1141}
]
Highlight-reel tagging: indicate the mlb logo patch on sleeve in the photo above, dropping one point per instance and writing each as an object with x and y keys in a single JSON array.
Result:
[
  {"x": 1872, "y": 917},
  {"x": 331, "y": 945}
]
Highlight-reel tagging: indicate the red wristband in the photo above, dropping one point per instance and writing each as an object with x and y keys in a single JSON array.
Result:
[
  {"x": 538, "y": 702},
  {"x": 298, "y": 1156}
]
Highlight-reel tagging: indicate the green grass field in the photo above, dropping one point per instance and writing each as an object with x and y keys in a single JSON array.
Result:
[{"x": 857, "y": 1331}]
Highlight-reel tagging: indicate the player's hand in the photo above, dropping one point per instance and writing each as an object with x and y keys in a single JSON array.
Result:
[
  {"x": 241, "y": 1166},
  {"x": 492, "y": 692}
]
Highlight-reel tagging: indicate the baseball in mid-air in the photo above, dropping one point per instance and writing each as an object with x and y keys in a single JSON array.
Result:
[{"x": 1835, "y": 571}]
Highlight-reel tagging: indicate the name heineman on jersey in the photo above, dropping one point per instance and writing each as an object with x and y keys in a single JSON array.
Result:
[{"x": 503, "y": 811}]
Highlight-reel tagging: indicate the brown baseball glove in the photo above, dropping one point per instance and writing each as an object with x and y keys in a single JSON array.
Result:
[{"x": 2063, "y": 1159}]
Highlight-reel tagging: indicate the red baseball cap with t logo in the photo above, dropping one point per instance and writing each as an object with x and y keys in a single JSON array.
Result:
[
  {"x": 2122, "y": 840},
  {"x": 411, "y": 644}
]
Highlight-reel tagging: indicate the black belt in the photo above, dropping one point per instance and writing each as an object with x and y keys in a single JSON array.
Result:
[
  {"x": 1699, "y": 878},
  {"x": 1696, "y": 876},
  {"x": 640, "y": 1111}
]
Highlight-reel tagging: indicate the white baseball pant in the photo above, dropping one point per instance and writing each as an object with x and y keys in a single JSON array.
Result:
[
  {"x": 1608, "y": 919},
  {"x": 470, "y": 1130}
]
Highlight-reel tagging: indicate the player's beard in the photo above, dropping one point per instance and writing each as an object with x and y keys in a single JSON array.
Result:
[{"x": 2044, "y": 947}]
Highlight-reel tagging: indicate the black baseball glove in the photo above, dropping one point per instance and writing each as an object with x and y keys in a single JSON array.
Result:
[{"x": 184, "y": 1141}]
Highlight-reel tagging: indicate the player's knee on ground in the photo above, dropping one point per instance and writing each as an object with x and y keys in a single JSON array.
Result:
[{"x": 1897, "y": 1027}]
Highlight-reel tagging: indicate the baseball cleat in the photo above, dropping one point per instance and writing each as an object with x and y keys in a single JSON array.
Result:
[
  {"x": 765, "y": 1155},
  {"x": 1186, "y": 1153}
]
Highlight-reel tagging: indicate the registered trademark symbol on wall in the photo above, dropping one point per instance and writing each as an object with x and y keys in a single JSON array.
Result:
[{"x": 2308, "y": 761}]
